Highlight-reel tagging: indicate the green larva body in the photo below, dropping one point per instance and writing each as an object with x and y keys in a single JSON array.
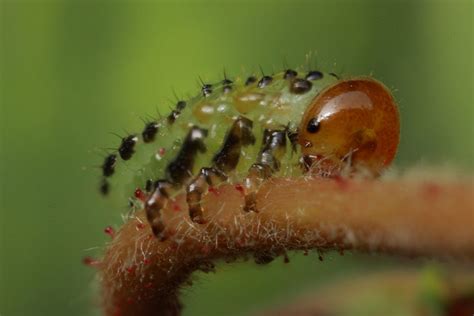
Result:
[
  {"x": 271, "y": 103},
  {"x": 245, "y": 132}
]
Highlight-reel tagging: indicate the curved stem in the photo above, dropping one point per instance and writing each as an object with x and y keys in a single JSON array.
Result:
[{"x": 142, "y": 276}]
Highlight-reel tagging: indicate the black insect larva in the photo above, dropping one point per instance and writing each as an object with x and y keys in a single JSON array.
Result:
[
  {"x": 300, "y": 86},
  {"x": 245, "y": 132}
]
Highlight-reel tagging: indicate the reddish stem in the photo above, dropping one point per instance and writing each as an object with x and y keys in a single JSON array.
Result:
[{"x": 399, "y": 216}]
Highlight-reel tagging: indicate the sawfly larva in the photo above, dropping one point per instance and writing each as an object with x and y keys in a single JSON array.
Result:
[{"x": 243, "y": 132}]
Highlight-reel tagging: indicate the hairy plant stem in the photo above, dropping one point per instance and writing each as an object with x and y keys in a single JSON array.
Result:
[{"x": 142, "y": 276}]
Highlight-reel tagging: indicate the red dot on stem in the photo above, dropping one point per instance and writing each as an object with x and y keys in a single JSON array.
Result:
[
  {"x": 139, "y": 194},
  {"x": 109, "y": 230},
  {"x": 239, "y": 188}
]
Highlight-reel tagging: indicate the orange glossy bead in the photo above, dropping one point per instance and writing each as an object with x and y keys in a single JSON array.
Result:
[{"x": 352, "y": 123}]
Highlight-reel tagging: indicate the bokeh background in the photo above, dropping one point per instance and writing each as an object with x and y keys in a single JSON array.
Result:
[{"x": 73, "y": 71}]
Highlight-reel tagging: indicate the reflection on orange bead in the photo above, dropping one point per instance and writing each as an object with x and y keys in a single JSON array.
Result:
[{"x": 351, "y": 123}]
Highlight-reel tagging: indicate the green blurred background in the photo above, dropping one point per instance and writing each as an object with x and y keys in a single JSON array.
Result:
[{"x": 73, "y": 71}]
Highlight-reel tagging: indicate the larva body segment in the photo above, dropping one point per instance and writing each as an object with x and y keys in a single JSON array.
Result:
[{"x": 246, "y": 131}]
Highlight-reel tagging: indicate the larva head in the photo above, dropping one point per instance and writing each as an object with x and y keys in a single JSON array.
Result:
[{"x": 351, "y": 123}]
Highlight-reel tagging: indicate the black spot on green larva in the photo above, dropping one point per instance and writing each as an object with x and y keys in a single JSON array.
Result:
[
  {"x": 314, "y": 75},
  {"x": 180, "y": 169},
  {"x": 104, "y": 187},
  {"x": 206, "y": 90},
  {"x": 126, "y": 147},
  {"x": 173, "y": 116},
  {"x": 290, "y": 74},
  {"x": 239, "y": 135},
  {"x": 196, "y": 188},
  {"x": 227, "y": 85},
  {"x": 108, "y": 167},
  {"x": 180, "y": 105},
  {"x": 273, "y": 146},
  {"x": 148, "y": 185},
  {"x": 149, "y": 132},
  {"x": 300, "y": 86},
  {"x": 293, "y": 137},
  {"x": 268, "y": 162},
  {"x": 265, "y": 81},
  {"x": 154, "y": 204},
  {"x": 227, "y": 82},
  {"x": 250, "y": 80}
]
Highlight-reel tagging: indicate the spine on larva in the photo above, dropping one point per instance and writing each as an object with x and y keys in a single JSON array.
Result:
[{"x": 248, "y": 130}]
